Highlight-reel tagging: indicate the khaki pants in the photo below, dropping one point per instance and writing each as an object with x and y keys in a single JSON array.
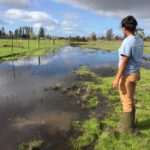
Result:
[{"x": 127, "y": 85}]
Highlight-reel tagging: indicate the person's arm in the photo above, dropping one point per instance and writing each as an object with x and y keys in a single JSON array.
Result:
[{"x": 123, "y": 64}]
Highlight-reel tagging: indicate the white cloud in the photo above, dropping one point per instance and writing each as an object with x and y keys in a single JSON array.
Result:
[
  {"x": 68, "y": 26},
  {"x": 15, "y": 3},
  {"x": 29, "y": 16},
  {"x": 47, "y": 27},
  {"x": 70, "y": 15},
  {"x": 113, "y": 8},
  {"x": 42, "y": 19},
  {"x": 37, "y": 26},
  {"x": 36, "y": 18},
  {"x": 5, "y": 22},
  {"x": 50, "y": 28}
]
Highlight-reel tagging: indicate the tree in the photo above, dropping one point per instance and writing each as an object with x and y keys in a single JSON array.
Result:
[
  {"x": 3, "y": 34},
  {"x": 93, "y": 36},
  {"x": 117, "y": 37},
  {"x": 0, "y": 34},
  {"x": 41, "y": 32},
  {"x": 10, "y": 33},
  {"x": 16, "y": 33},
  {"x": 109, "y": 34},
  {"x": 83, "y": 39},
  {"x": 147, "y": 38},
  {"x": 48, "y": 37},
  {"x": 102, "y": 38},
  {"x": 31, "y": 29},
  {"x": 140, "y": 33},
  {"x": 31, "y": 35}
]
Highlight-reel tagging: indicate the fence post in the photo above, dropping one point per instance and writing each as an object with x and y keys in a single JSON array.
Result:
[
  {"x": 12, "y": 42},
  {"x": 39, "y": 60},
  {"x": 53, "y": 40},
  {"x": 38, "y": 42},
  {"x": 53, "y": 43},
  {"x": 28, "y": 41}
]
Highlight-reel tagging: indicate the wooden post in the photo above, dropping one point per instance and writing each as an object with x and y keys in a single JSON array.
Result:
[
  {"x": 53, "y": 44},
  {"x": 69, "y": 40},
  {"x": 53, "y": 40},
  {"x": 38, "y": 42},
  {"x": 28, "y": 41},
  {"x": 12, "y": 42},
  {"x": 39, "y": 60}
]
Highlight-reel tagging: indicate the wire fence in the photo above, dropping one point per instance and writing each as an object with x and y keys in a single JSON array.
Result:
[
  {"x": 26, "y": 44},
  {"x": 17, "y": 46}
]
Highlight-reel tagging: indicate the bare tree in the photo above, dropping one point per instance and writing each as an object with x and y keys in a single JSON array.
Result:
[
  {"x": 41, "y": 32},
  {"x": 109, "y": 34},
  {"x": 93, "y": 36}
]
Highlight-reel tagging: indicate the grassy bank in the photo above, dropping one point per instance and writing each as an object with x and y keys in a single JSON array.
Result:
[
  {"x": 101, "y": 133},
  {"x": 20, "y": 48},
  {"x": 108, "y": 45}
]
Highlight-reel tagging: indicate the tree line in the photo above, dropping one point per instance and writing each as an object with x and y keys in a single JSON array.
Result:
[
  {"x": 24, "y": 32},
  {"x": 27, "y": 32}
]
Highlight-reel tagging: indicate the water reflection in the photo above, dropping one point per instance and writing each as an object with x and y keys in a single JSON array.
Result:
[
  {"x": 39, "y": 60},
  {"x": 13, "y": 68},
  {"x": 60, "y": 62},
  {"x": 23, "y": 101}
]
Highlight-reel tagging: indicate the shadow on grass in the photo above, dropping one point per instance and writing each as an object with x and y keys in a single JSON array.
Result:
[{"x": 144, "y": 125}]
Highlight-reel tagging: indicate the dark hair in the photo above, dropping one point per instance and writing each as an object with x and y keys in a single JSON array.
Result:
[{"x": 129, "y": 23}]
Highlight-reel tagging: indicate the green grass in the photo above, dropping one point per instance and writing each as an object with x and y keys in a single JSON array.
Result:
[
  {"x": 92, "y": 102},
  {"x": 108, "y": 136},
  {"x": 32, "y": 145},
  {"x": 90, "y": 99},
  {"x": 85, "y": 72},
  {"x": 108, "y": 45},
  {"x": 103, "y": 45},
  {"x": 21, "y": 48},
  {"x": 147, "y": 47},
  {"x": 90, "y": 131}
]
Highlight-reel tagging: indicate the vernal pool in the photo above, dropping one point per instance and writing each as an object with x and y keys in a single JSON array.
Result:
[{"x": 29, "y": 112}]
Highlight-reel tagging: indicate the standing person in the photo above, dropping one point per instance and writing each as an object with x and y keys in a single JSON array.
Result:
[{"x": 130, "y": 59}]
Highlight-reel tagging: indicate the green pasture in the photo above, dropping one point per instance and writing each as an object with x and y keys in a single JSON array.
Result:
[
  {"x": 27, "y": 48},
  {"x": 102, "y": 133}
]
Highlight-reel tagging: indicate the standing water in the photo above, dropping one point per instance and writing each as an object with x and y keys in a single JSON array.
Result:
[{"x": 27, "y": 111}]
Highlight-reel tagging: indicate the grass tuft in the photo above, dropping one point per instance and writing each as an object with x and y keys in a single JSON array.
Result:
[{"x": 32, "y": 145}]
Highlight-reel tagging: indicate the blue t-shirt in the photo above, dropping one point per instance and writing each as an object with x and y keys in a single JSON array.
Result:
[{"x": 132, "y": 47}]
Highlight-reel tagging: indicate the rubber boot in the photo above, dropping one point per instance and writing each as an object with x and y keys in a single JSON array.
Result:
[
  {"x": 133, "y": 120},
  {"x": 127, "y": 122},
  {"x": 136, "y": 131}
]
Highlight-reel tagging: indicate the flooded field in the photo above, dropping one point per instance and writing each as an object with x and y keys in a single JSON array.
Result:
[{"x": 29, "y": 111}]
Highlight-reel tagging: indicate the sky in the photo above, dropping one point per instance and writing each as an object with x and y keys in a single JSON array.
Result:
[{"x": 73, "y": 17}]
